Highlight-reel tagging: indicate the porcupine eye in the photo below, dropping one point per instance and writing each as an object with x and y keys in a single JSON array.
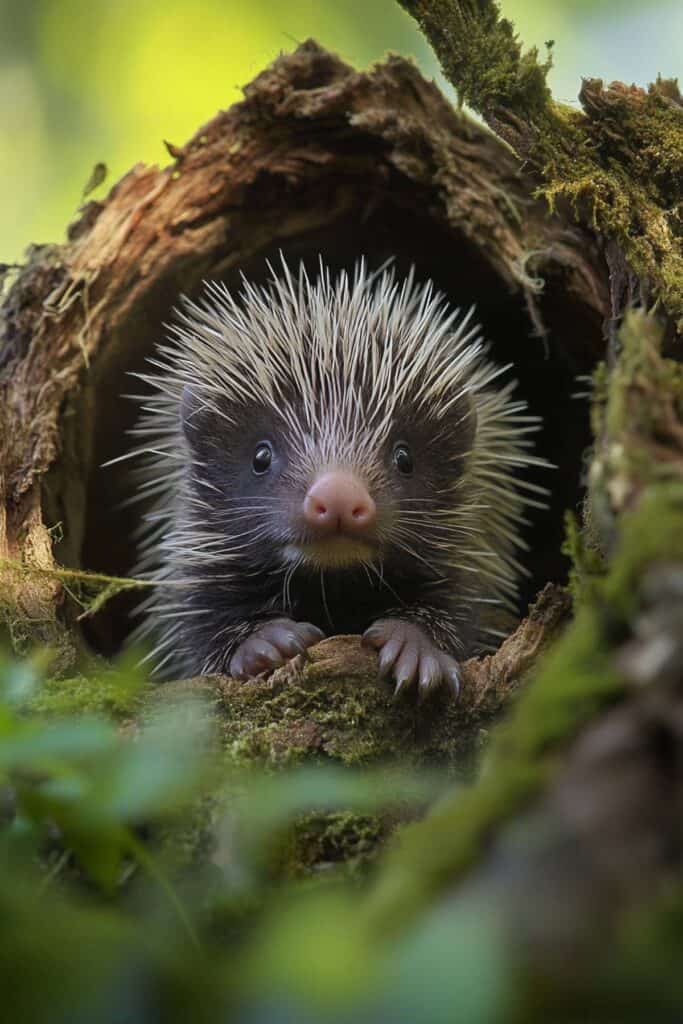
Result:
[
  {"x": 263, "y": 456},
  {"x": 403, "y": 459}
]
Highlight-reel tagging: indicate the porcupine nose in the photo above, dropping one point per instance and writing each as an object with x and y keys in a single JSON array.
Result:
[{"x": 338, "y": 503}]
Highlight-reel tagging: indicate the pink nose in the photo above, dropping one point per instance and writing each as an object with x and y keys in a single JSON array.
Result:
[{"x": 338, "y": 503}]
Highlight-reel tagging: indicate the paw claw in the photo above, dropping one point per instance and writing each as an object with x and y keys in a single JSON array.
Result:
[
  {"x": 400, "y": 688},
  {"x": 407, "y": 664},
  {"x": 453, "y": 680},
  {"x": 310, "y": 634},
  {"x": 375, "y": 636},
  {"x": 408, "y": 654},
  {"x": 430, "y": 673},
  {"x": 271, "y": 645},
  {"x": 389, "y": 653}
]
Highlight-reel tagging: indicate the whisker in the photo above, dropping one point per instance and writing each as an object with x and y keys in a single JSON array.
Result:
[{"x": 324, "y": 597}]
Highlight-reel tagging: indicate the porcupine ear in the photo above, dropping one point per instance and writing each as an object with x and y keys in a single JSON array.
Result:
[
  {"x": 464, "y": 427},
  {"x": 468, "y": 419},
  {"x": 195, "y": 417}
]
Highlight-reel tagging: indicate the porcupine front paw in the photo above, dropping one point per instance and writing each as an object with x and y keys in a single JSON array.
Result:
[
  {"x": 411, "y": 657},
  {"x": 271, "y": 645}
]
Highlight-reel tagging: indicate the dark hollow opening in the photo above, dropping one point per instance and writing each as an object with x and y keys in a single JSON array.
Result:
[{"x": 546, "y": 368}]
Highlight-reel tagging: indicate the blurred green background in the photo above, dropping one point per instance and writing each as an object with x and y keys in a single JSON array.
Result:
[{"x": 83, "y": 81}]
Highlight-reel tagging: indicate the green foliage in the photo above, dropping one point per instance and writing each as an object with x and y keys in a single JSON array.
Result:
[
  {"x": 115, "y": 693},
  {"x": 588, "y": 564},
  {"x": 101, "y": 920},
  {"x": 575, "y": 680},
  {"x": 108, "y": 899},
  {"x": 74, "y": 776}
]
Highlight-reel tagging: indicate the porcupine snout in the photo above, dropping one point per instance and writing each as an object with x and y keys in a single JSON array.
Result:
[{"x": 337, "y": 502}]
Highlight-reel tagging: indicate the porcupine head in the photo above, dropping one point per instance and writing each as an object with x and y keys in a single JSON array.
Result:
[{"x": 328, "y": 456}]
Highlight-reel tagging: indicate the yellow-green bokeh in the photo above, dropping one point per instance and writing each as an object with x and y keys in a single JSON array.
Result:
[{"x": 83, "y": 81}]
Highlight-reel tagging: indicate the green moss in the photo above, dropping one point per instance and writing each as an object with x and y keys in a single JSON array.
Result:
[
  {"x": 335, "y": 709},
  {"x": 617, "y": 166},
  {"x": 323, "y": 841},
  {"x": 110, "y": 694},
  {"x": 588, "y": 564},
  {"x": 574, "y": 681},
  {"x": 23, "y": 636},
  {"x": 90, "y": 590},
  {"x": 653, "y": 535},
  {"x": 618, "y": 197},
  {"x": 87, "y": 593},
  {"x": 641, "y": 370},
  {"x": 304, "y": 722},
  {"x": 637, "y": 417},
  {"x": 482, "y": 56},
  {"x": 607, "y": 168}
]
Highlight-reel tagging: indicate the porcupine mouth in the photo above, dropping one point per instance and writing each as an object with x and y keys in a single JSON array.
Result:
[{"x": 338, "y": 552}]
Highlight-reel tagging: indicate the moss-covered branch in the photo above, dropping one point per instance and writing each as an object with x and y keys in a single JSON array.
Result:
[
  {"x": 627, "y": 632},
  {"x": 481, "y": 55},
  {"x": 616, "y": 164}
]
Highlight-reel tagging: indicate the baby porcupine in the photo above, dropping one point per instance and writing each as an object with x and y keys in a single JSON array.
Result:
[{"x": 328, "y": 457}]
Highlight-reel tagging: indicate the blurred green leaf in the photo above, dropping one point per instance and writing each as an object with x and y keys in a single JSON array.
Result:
[
  {"x": 19, "y": 680},
  {"x": 161, "y": 770},
  {"x": 314, "y": 955},
  {"x": 43, "y": 747},
  {"x": 456, "y": 958},
  {"x": 274, "y": 800}
]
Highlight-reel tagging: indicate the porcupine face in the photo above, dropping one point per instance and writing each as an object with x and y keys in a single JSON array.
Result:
[
  {"x": 328, "y": 497},
  {"x": 349, "y": 432}
]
